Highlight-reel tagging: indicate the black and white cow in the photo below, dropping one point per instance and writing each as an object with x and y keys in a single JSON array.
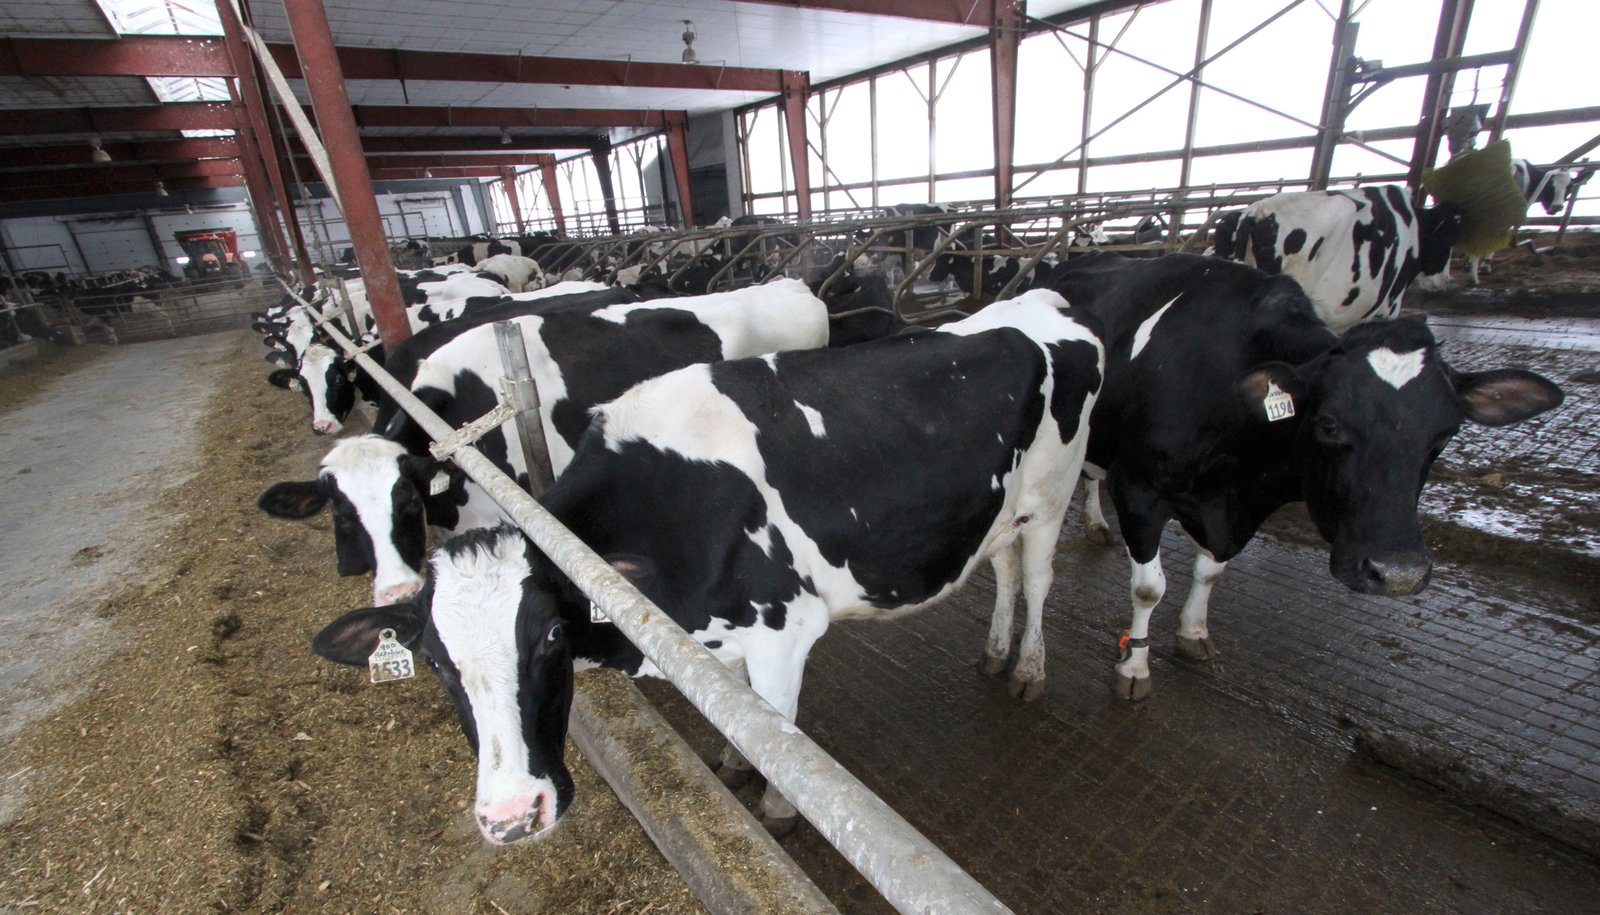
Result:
[
  {"x": 757, "y": 501},
  {"x": 1354, "y": 252},
  {"x": 1551, "y": 188},
  {"x": 332, "y": 381},
  {"x": 377, "y": 484},
  {"x": 513, "y": 271},
  {"x": 481, "y": 247},
  {"x": 1226, "y": 398}
]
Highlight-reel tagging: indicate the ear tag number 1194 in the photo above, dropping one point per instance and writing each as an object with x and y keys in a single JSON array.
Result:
[{"x": 391, "y": 660}]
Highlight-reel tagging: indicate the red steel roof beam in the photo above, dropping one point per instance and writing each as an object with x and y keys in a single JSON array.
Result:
[
  {"x": 508, "y": 180},
  {"x": 130, "y": 55},
  {"x": 796, "y": 89},
  {"x": 678, "y": 152},
  {"x": 405, "y": 174},
  {"x": 443, "y": 66},
  {"x": 171, "y": 116},
  {"x": 60, "y": 189},
  {"x": 955, "y": 12},
  {"x": 518, "y": 160},
  {"x": 81, "y": 154},
  {"x": 451, "y": 116},
  {"x": 132, "y": 171},
  {"x": 552, "y": 193},
  {"x": 489, "y": 145}
]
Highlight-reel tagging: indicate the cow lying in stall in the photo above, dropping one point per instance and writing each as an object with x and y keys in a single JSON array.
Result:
[
  {"x": 378, "y": 486},
  {"x": 1226, "y": 398},
  {"x": 756, "y": 502}
]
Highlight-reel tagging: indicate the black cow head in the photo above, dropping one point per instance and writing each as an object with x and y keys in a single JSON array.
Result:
[
  {"x": 1368, "y": 419},
  {"x": 499, "y": 645},
  {"x": 1438, "y": 229}
]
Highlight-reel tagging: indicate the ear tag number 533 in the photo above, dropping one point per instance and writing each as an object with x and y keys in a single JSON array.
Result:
[{"x": 391, "y": 660}]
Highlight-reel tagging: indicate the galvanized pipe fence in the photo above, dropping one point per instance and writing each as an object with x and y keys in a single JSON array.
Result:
[{"x": 902, "y": 864}]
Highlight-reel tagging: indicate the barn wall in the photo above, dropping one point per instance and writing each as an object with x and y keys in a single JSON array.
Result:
[
  {"x": 433, "y": 208},
  {"x": 105, "y": 242}
]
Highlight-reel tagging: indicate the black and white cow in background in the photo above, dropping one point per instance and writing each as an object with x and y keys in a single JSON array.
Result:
[
  {"x": 757, "y": 501},
  {"x": 376, "y": 484},
  {"x": 513, "y": 271},
  {"x": 480, "y": 247},
  {"x": 331, "y": 381},
  {"x": 1354, "y": 252},
  {"x": 1551, "y": 188},
  {"x": 1226, "y": 398}
]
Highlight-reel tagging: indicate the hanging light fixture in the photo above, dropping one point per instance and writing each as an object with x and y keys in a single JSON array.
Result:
[
  {"x": 505, "y": 137},
  {"x": 689, "y": 56},
  {"x": 427, "y": 173},
  {"x": 161, "y": 189},
  {"x": 99, "y": 154}
]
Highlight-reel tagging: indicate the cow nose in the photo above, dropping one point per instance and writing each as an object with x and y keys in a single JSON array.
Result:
[
  {"x": 395, "y": 594},
  {"x": 1397, "y": 574},
  {"x": 511, "y": 820},
  {"x": 324, "y": 426}
]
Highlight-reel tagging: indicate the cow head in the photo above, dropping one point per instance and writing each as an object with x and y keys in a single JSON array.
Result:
[
  {"x": 1369, "y": 418},
  {"x": 497, "y": 642},
  {"x": 1438, "y": 229},
  {"x": 375, "y": 489},
  {"x": 327, "y": 380}
]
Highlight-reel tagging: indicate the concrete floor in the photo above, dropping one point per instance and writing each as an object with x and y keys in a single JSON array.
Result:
[
  {"x": 1288, "y": 774},
  {"x": 83, "y": 465}
]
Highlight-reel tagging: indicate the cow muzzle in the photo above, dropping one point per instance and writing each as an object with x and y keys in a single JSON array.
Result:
[
  {"x": 325, "y": 426},
  {"x": 517, "y": 819},
  {"x": 395, "y": 594},
  {"x": 1395, "y": 574}
]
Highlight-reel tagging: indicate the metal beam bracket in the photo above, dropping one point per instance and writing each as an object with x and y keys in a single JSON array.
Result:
[{"x": 446, "y": 447}]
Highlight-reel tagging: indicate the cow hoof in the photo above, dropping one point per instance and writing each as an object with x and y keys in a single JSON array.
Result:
[
  {"x": 1133, "y": 688},
  {"x": 778, "y": 827},
  {"x": 992, "y": 666},
  {"x": 733, "y": 778},
  {"x": 1196, "y": 649},
  {"x": 1099, "y": 533},
  {"x": 1026, "y": 690}
]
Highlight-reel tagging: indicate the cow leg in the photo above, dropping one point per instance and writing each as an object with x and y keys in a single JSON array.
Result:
[
  {"x": 998, "y": 649},
  {"x": 1148, "y": 586},
  {"x": 1194, "y": 640},
  {"x": 1038, "y": 549},
  {"x": 1095, "y": 528},
  {"x": 732, "y": 768},
  {"x": 776, "y": 662}
]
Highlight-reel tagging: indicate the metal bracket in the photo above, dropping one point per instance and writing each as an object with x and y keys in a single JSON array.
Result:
[{"x": 445, "y": 447}]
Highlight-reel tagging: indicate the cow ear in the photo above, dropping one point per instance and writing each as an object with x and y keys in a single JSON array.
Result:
[
  {"x": 352, "y": 638},
  {"x": 293, "y": 500},
  {"x": 1272, "y": 391},
  {"x": 285, "y": 378},
  {"x": 1505, "y": 396},
  {"x": 636, "y": 569},
  {"x": 277, "y": 358},
  {"x": 420, "y": 467}
]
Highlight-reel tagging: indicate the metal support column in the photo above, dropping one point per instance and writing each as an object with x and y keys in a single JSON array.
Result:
[
  {"x": 268, "y": 227},
  {"x": 600, "y": 152},
  {"x": 1448, "y": 43},
  {"x": 1497, "y": 124},
  {"x": 1093, "y": 57},
  {"x": 552, "y": 193},
  {"x": 1187, "y": 163},
  {"x": 678, "y": 151},
  {"x": 320, "y": 62},
  {"x": 796, "y": 91},
  {"x": 254, "y": 134},
  {"x": 1005, "y": 34},
  {"x": 508, "y": 177},
  {"x": 1336, "y": 101}
]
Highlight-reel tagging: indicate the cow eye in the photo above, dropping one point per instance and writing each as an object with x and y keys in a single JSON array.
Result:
[
  {"x": 1328, "y": 430},
  {"x": 431, "y": 662},
  {"x": 553, "y": 634}
]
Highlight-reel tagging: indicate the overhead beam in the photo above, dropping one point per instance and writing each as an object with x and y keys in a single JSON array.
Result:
[
  {"x": 99, "y": 188},
  {"x": 403, "y": 174},
  {"x": 170, "y": 116},
  {"x": 491, "y": 162},
  {"x": 81, "y": 154},
  {"x": 113, "y": 172},
  {"x": 442, "y": 66},
  {"x": 129, "y": 55},
  {"x": 408, "y": 145},
  {"x": 451, "y": 116},
  {"x": 954, "y": 12}
]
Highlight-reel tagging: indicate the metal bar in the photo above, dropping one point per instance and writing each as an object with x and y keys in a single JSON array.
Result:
[
  {"x": 1448, "y": 64},
  {"x": 954, "y": 12},
  {"x": 100, "y": 188},
  {"x": 522, "y": 69},
  {"x": 473, "y": 116},
  {"x": 1009, "y": 21},
  {"x": 796, "y": 90},
  {"x": 1447, "y": 44},
  {"x": 289, "y": 104},
  {"x": 1095, "y": 56},
  {"x": 126, "y": 172},
  {"x": 600, "y": 155},
  {"x": 518, "y": 390},
  {"x": 1336, "y": 99},
  {"x": 678, "y": 151},
  {"x": 325, "y": 83},
  {"x": 508, "y": 180},
  {"x": 1497, "y": 124},
  {"x": 171, "y": 116},
  {"x": 552, "y": 193},
  {"x": 910, "y": 872},
  {"x": 127, "y": 55},
  {"x": 145, "y": 151},
  {"x": 1201, "y": 31}
]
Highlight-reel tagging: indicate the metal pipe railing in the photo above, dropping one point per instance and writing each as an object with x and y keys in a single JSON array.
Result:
[{"x": 909, "y": 870}]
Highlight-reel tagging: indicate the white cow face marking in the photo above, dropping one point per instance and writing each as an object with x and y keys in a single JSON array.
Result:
[{"x": 1396, "y": 368}]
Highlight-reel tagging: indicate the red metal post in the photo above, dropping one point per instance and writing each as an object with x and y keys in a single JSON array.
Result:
[
  {"x": 508, "y": 177},
  {"x": 678, "y": 150},
  {"x": 796, "y": 89},
  {"x": 325, "y": 81},
  {"x": 1005, "y": 34},
  {"x": 268, "y": 227},
  {"x": 547, "y": 170}
]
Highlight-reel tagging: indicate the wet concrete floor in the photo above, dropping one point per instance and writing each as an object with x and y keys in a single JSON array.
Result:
[{"x": 1345, "y": 753}]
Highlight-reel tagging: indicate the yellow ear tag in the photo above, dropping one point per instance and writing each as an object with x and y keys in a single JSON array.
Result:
[{"x": 391, "y": 660}]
